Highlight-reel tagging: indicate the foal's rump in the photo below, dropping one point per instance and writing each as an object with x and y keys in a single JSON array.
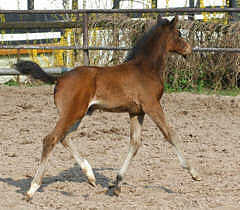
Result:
[{"x": 75, "y": 89}]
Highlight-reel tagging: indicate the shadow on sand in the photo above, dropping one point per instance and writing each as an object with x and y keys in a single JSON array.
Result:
[{"x": 73, "y": 174}]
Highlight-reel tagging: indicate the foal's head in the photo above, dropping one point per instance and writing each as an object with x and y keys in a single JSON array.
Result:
[
  {"x": 160, "y": 39},
  {"x": 175, "y": 43}
]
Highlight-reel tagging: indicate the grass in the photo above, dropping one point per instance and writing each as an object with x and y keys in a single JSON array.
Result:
[
  {"x": 12, "y": 83},
  {"x": 206, "y": 91}
]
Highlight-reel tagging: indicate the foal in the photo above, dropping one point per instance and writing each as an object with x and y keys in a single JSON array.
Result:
[{"x": 136, "y": 87}]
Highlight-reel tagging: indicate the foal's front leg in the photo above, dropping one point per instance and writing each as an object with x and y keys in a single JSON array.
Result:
[
  {"x": 136, "y": 122},
  {"x": 155, "y": 112}
]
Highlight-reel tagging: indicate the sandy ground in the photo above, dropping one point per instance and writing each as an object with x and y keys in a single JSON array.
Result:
[{"x": 208, "y": 126}]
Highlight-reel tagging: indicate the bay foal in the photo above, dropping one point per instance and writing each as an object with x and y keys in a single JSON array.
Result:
[{"x": 136, "y": 87}]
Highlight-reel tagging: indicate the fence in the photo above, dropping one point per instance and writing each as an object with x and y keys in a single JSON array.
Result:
[{"x": 85, "y": 18}]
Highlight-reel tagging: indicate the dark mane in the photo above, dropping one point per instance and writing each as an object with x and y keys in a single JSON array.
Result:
[{"x": 140, "y": 44}]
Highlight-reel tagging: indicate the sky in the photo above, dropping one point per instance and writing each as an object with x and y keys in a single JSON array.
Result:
[{"x": 101, "y": 4}]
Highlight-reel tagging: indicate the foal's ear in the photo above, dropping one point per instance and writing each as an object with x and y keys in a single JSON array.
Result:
[{"x": 174, "y": 22}]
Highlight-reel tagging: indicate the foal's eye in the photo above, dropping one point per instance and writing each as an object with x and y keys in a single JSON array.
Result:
[{"x": 179, "y": 34}]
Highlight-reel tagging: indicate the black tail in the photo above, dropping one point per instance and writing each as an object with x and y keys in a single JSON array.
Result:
[{"x": 33, "y": 69}]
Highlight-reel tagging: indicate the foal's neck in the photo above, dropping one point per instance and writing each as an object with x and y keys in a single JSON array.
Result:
[
  {"x": 155, "y": 62},
  {"x": 158, "y": 63}
]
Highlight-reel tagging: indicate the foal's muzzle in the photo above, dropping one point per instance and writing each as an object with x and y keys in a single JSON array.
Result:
[{"x": 187, "y": 51}]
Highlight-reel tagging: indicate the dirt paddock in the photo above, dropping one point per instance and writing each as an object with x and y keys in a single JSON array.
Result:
[{"x": 209, "y": 130}]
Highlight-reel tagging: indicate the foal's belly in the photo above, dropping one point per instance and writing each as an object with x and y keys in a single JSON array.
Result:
[{"x": 130, "y": 107}]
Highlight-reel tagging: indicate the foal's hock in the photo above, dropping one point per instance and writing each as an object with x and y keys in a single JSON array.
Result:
[{"x": 135, "y": 86}]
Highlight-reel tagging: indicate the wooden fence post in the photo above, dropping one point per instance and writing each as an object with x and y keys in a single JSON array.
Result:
[
  {"x": 191, "y": 5},
  {"x": 30, "y": 4},
  {"x": 85, "y": 39},
  {"x": 234, "y": 4}
]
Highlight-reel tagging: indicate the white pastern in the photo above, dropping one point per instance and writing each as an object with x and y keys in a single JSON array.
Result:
[
  {"x": 33, "y": 189},
  {"x": 88, "y": 169}
]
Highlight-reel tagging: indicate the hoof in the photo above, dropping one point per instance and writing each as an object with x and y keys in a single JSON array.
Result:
[
  {"x": 92, "y": 182},
  {"x": 27, "y": 197},
  {"x": 195, "y": 175},
  {"x": 117, "y": 190},
  {"x": 114, "y": 190},
  {"x": 196, "y": 178}
]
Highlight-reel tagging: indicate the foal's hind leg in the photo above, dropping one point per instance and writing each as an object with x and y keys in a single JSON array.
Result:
[
  {"x": 63, "y": 126},
  {"x": 156, "y": 114},
  {"x": 83, "y": 163},
  {"x": 48, "y": 144},
  {"x": 136, "y": 122}
]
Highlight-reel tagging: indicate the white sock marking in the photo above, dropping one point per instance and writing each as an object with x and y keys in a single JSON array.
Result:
[{"x": 34, "y": 187}]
